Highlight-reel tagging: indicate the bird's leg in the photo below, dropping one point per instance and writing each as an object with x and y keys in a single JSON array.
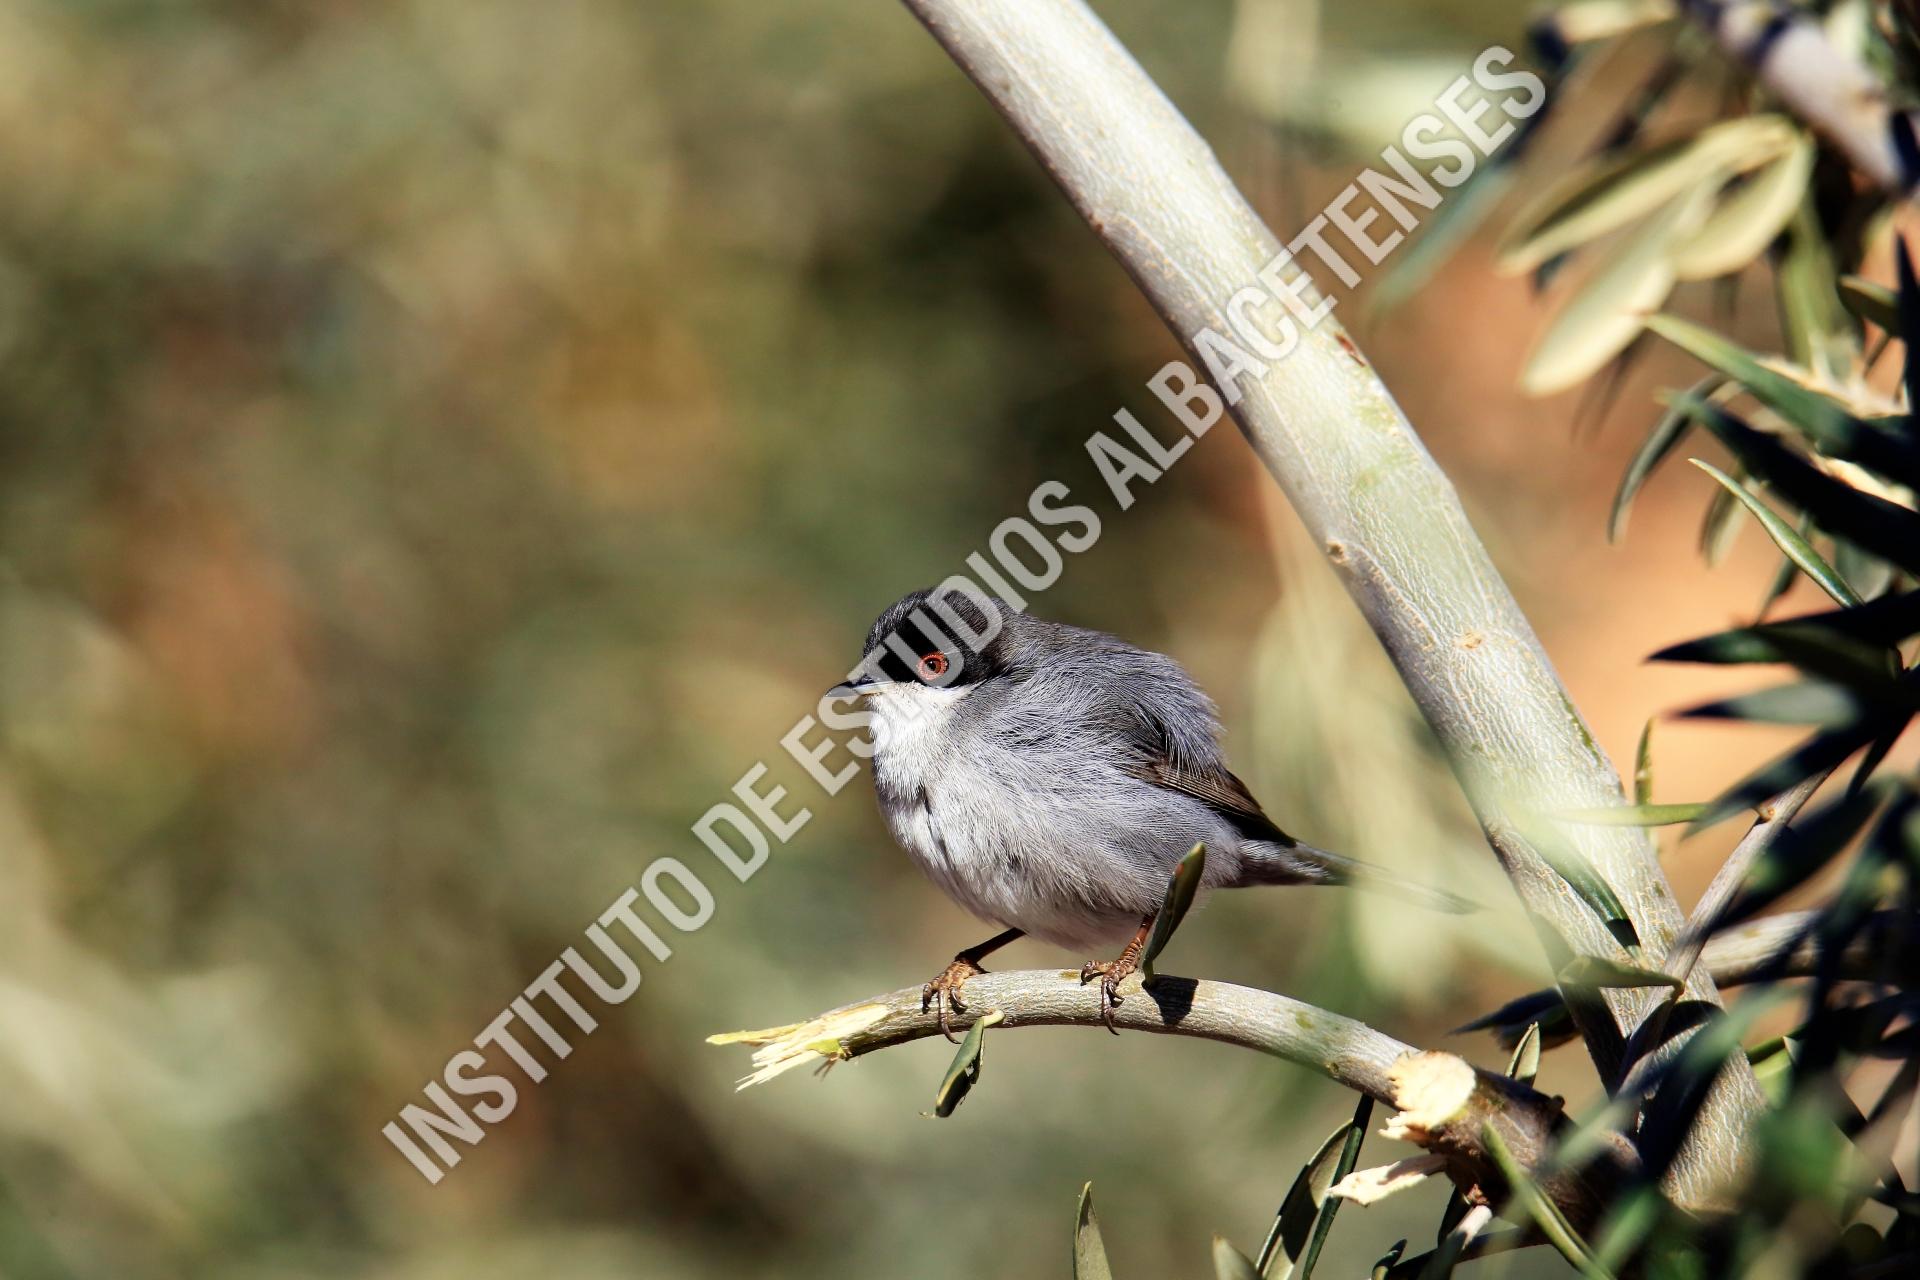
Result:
[
  {"x": 1113, "y": 972},
  {"x": 945, "y": 989}
]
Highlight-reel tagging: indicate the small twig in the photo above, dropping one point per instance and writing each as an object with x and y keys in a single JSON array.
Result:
[
  {"x": 1782, "y": 946},
  {"x": 1775, "y": 817}
]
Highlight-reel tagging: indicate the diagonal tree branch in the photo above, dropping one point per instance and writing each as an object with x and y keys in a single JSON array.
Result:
[{"x": 1384, "y": 515}]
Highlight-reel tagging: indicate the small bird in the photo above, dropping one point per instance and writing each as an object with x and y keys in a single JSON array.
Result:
[{"x": 1048, "y": 778}]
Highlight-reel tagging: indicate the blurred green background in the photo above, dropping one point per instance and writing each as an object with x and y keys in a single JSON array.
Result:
[{"x": 443, "y": 445}]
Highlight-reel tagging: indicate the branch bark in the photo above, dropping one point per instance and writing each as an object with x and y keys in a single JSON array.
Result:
[
  {"x": 1775, "y": 817},
  {"x": 1444, "y": 1101},
  {"x": 1344, "y": 1050},
  {"x": 1827, "y": 90},
  {"x": 1387, "y": 519}
]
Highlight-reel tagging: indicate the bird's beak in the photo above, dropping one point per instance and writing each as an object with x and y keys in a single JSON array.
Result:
[{"x": 856, "y": 688}]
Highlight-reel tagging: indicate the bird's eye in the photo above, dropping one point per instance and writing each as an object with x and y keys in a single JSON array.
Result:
[{"x": 932, "y": 666}]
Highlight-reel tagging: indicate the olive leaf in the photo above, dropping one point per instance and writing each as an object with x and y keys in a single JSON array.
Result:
[
  {"x": 964, "y": 1072},
  {"x": 1786, "y": 537},
  {"x": 1634, "y": 815},
  {"x": 1598, "y": 971},
  {"x": 1545, "y": 1214},
  {"x": 1747, "y": 221},
  {"x": 1182, "y": 885},
  {"x": 1826, "y": 423},
  {"x": 1089, "y": 1250},
  {"x": 1607, "y": 194},
  {"x": 1607, "y": 313}
]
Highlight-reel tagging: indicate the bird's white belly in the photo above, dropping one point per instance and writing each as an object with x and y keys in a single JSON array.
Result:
[
  {"x": 996, "y": 853},
  {"x": 1028, "y": 849}
]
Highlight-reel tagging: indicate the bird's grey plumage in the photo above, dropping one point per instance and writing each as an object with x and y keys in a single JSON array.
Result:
[{"x": 1054, "y": 778}]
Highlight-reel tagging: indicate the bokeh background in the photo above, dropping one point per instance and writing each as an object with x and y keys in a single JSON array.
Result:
[{"x": 442, "y": 445}]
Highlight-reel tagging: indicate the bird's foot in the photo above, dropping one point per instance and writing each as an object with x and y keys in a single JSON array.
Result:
[
  {"x": 944, "y": 991},
  {"x": 1111, "y": 974}
]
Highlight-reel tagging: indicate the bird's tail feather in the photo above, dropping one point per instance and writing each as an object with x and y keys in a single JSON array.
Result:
[{"x": 1269, "y": 862}]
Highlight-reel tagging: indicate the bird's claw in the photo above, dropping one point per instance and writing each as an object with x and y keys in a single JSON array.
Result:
[
  {"x": 944, "y": 991},
  {"x": 1111, "y": 974}
]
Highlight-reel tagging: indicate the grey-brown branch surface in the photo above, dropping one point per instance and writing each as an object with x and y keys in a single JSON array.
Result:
[
  {"x": 1344, "y": 1050},
  {"x": 1443, "y": 1100},
  {"x": 1385, "y": 516}
]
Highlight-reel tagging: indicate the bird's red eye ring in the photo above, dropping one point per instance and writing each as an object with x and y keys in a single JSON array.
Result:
[{"x": 932, "y": 666}]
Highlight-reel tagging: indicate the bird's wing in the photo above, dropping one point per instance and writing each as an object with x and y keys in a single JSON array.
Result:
[{"x": 1219, "y": 790}]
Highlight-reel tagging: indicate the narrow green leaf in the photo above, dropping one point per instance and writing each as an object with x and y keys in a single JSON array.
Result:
[
  {"x": 1820, "y": 334},
  {"x": 1442, "y": 1261},
  {"x": 1387, "y": 1260},
  {"x": 1595, "y": 1132},
  {"x": 1544, "y": 1009},
  {"x": 964, "y": 1072},
  {"x": 1848, "y": 646},
  {"x": 1874, "y": 756},
  {"x": 1721, "y": 524},
  {"x": 1349, "y": 1156},
  {"x": 1545, "y": 1214},
  {"x": 1229, "y": 1263},
  {"x": 1628, "y": 1222},
  {"x": 1525, "y": 1063},
  {"x": 1607, "y": 194},
  {"x": 1749, "y": 219},
  {"x": 1791, "y": 544},
  {"x": 1784, "y": 576},
  {"x": 1877, "y": 525},
  {"x": 1607, "y": 313},
  {"x": 1181, "y": 886},
  {"x": 1872, "y": 302},
  {"x": 1825, "y": 750},
  {"x": 1809, "y": 702},
  {"x": 1089, "y": 1250},
  {"x": 1585, "y": 880},
  {"x": 1824, "y": 421},
  {"x": 1909, "y": 328},
  {"x": 1598, "y": 971},
  {"x": 1660, "y": 443},
  {"x": 1293, "y": 1225},
  {"x": 1643, "y": 766},
  {"x": 1634, "y": 815}
]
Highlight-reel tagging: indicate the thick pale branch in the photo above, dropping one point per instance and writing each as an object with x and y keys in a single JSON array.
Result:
[
  {"x": 1830, "y": 92},
  {"x": 1384, "y": 515}
]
